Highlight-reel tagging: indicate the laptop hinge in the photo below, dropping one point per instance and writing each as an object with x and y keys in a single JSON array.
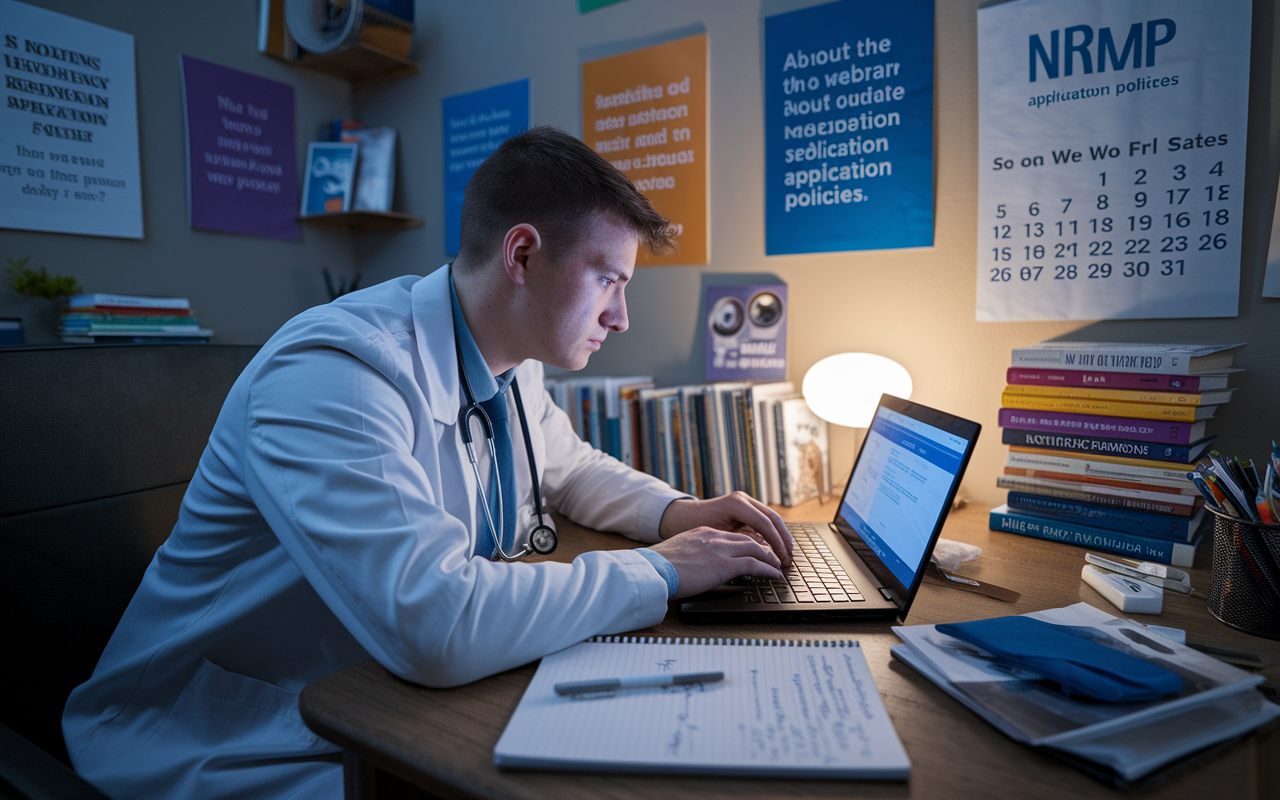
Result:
[{"x": 887, "y": 595}]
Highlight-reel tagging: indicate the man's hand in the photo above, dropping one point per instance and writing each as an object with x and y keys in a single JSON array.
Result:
[
  {"x": 737, "y": 512},
  {"x": 704, "y": 558}
]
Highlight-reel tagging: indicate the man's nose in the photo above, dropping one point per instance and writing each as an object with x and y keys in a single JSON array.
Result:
[{"x": 615, "y": 314}]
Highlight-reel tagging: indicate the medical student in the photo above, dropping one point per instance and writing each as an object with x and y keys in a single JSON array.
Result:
[{"x": 336, "y": 515}]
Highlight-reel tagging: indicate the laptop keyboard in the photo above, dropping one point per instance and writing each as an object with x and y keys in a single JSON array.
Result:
[{"x": 815, "y": 576}]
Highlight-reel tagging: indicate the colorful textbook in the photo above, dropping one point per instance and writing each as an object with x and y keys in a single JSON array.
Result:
[{"x": 1101, "y": 437}]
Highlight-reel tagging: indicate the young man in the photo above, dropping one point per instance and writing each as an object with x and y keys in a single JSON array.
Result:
[{"x": 336, "y": 514}]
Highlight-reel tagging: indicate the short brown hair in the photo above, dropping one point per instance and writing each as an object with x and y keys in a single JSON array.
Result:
[{"x": 553, "y": 181}]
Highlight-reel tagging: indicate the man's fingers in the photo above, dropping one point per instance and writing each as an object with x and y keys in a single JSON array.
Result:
[
  {"x": 756, "y": 568},
  {"x": 745, "y": 544},
  {"x": 767, "y": 523}
]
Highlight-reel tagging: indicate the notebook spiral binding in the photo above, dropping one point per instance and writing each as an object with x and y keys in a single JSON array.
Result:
[{"x": 730, "y": 642}]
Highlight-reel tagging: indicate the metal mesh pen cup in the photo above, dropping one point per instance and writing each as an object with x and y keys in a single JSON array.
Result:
[{"x": 1244, "y": 586}]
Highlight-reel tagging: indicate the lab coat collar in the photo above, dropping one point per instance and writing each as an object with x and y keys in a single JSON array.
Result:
[
  {"x": 434, "y": 336},
  {"x": 484, "y": 384}
]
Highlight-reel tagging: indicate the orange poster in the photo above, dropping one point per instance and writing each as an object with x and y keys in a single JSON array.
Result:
[{"x": 646, "y": 113}]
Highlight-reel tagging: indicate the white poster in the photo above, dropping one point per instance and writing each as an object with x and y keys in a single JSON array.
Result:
[
  {"x": 1271, "y": 279},
  {"x": 1111, "y": 158},
  {"x": 68, "y": 126}
]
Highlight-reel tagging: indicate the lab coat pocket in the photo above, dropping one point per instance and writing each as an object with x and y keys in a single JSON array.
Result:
[{"x": 230, "y": 734}]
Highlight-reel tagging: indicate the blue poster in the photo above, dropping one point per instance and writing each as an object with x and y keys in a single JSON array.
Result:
[
  {"x": 849, "y": 127},
  {"x": 475, "y": 124}
]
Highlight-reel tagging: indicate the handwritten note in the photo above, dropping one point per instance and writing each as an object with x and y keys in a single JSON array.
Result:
[{"x": 803, "y": 709}]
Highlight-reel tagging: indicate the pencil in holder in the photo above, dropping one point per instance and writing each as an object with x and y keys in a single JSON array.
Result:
[{"x": 1244, "y": 585}]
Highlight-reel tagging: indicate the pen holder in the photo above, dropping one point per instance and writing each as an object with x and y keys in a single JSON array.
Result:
[{"x": 1244, "y": 585}]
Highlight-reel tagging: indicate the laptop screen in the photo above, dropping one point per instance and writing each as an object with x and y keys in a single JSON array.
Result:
[{"x": 903, "y": 482}]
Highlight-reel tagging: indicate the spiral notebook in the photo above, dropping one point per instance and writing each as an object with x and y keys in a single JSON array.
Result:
[{"x": 786, "y": 708}]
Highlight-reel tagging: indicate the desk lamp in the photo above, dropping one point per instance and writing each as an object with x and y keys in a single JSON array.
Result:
[{"x": 845, "y": 389}]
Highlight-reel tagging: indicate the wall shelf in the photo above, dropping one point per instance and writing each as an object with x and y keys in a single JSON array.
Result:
[
  {"x": 361, "y": 64},
  {"x": 363, "y": 220}
]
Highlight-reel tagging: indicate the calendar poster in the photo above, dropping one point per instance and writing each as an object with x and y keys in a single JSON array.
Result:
[{"x": 1111, "y": 158}]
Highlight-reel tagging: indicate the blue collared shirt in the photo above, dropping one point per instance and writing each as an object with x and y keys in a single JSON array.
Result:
[{"x": 484, "y": 386}]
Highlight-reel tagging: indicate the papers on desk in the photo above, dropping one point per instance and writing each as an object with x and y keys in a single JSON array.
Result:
[
  {"x": 1117, "y": 742},
  {"x": 805, "y": 709}
]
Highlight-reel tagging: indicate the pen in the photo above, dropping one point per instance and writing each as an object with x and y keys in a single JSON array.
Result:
[{"x": 634, "y": 682}]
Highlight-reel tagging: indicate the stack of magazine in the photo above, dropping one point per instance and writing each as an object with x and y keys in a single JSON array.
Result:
[
  {"x": 705, "y": 439},
  {"x": 1115, "y": 742}
]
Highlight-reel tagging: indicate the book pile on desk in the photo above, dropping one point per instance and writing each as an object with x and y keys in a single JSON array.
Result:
[
  {"x": 705, "y": 439},
  {"x": 114, "y": 318},
  {"x": 1101, "y": 437}
]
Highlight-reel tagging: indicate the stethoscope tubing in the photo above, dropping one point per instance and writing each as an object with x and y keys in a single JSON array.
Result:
[{"x": 542, "y": 533}]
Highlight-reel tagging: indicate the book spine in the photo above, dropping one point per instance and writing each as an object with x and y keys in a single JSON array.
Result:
[
  {"x": 1089, "y": 480},
  {"x": 714, "y": 441},
  {"x": 731, "y": 439},
  {"x": 1143, "y": 361},
  {"x": 625, "y": 438},
  {"x": 780, "y": 437},
  {"x": 750, "y": 438},
  {"x": 1143, "y": 430},
  {"x": 1082, "y": 466},
  {"x": 1113, "y": 395},
  {"x": 692, "y": 446},
  {"x": 675, "y": 446},
  {"x": 1108, "y": 380},
  {"x": 648, "y": 440},
  {"x": 1140, "y": 547},
  {"x": 1160, "y": 526},
  {"x": 596, "y": 395},
  {"x": 1182, "y": 505},
  {"x": 1105, "y": 408},
  {"x": 1095, "y": 445},
  {"x": 661, "y": 457}
]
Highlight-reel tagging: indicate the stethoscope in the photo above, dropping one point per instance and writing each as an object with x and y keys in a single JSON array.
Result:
[{"x": 543, "y": 539}]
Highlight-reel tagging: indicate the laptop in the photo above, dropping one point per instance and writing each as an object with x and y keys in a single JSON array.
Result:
[{"x": 868, "y": 562}]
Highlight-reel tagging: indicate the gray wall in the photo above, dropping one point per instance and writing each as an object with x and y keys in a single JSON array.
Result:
[
  {"x": 245, "y": 287},
  {"x": 840, "y": 301}
]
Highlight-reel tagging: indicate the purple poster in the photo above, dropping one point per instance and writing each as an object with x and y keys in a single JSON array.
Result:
[
  {"x": 241, "y": 169},
  {"x": 746, "y": 333}
]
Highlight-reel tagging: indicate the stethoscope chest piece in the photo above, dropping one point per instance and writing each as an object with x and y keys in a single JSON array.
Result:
[{"x": 543, "y": 540}]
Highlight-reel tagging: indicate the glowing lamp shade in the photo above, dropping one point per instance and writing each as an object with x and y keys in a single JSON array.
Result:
[{"x": 845, "y": 389}]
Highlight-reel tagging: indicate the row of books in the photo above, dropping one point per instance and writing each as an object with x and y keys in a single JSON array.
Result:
[
  {"x": 1101, "y": 438},
  {"x": 705, "y": 439},
  {"x": 97, "y": 318}
]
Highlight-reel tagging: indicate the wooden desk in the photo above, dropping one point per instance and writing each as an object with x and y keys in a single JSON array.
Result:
[{"x": 398, "y": 736}]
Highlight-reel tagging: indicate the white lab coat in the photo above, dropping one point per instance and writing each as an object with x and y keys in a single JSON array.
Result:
[{"x": 332, "y": 519}]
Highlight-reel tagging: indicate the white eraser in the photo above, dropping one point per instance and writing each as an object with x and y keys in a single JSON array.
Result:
[{"x": 1126, "y": 594}]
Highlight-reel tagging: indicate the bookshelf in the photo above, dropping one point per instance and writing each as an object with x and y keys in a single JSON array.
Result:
[
  {"x": 361, "y": 64},
  {"x": 363, "y": 220}
]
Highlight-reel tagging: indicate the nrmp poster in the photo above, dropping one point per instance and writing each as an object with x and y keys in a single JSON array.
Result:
[{"x": 68, "y": 126}]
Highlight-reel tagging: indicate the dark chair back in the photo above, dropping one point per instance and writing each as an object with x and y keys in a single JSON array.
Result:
[{"x": 97, "y": 445}]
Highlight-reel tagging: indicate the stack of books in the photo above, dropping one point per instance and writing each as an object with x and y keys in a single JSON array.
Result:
[
  {"x": 1101, "y": 437},
  {"x": 115, "y": 318},
  {"x": 705, "y": 439}
]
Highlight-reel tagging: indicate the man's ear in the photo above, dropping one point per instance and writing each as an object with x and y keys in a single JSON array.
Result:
[{"x": 520, "y": 242}]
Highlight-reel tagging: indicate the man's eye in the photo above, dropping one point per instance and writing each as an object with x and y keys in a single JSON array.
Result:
[{"x": 606, "y": 282}]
